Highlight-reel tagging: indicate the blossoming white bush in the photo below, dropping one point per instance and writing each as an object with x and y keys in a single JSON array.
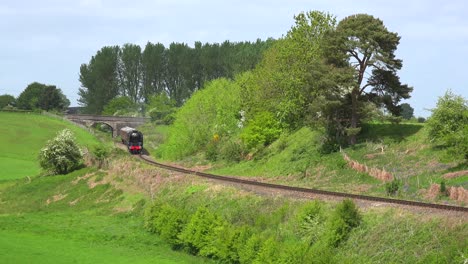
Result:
[{"x": 61, "y": 155}]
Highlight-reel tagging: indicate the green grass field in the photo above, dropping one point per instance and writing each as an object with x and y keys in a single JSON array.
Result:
[
  {"x": 61, "y": 219},
  {"x": 24, "y": 134}
]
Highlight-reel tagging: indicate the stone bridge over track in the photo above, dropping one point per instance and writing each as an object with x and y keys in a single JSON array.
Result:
[{"x": 115, "y": 122}]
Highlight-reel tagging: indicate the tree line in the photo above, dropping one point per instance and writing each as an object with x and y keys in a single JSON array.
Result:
[
  {"x": 176, "y": 71},
  {"x": 36, "y": 96}
]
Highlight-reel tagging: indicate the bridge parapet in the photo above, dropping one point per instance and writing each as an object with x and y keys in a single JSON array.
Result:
[{"x": 115, "y": 122}]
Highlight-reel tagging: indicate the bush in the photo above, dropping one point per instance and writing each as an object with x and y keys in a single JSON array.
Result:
[
  {"x": 232, "y": 150},
  {"x": 448, "y": 124},
  {"x": 199, "y": 231},
  {"x": 345, "y": 217},
  {"x": 166, "y": 221},
  {"x": 392, "y": 187},
  {"x": 61, "y": 155},
  {"x": 262, "y": 130},
  {"x": 310, "y": 222},
  {"x": 100, "y": 154}
]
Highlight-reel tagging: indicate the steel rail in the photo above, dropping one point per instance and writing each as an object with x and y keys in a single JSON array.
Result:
[{"x": 307, "y": 190}]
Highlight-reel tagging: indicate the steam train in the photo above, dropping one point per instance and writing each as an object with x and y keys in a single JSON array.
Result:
[{"x": 133, "y": 139}]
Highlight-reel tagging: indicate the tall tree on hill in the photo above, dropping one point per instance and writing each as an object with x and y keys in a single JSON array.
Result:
[
  {"x": 41, "y": 96},
  {"x": 406, "y": 111},
  {"x": 130, "y": 71},
  {"x": 365, "y": 44},
  {"x": 6, "y": 100},
  {"x": 153, "y": 67},
  {"x": 99, "y": 80}
]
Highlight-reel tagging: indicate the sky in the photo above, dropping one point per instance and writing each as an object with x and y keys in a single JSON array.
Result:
[{"x": 46, "y": 41}]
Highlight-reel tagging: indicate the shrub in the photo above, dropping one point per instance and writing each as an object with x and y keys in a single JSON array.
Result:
[
  {"x": 443, "y": 188},
  {"x": 61, "y": 155},
  {"x": 100, "y": 154},
  {"x": 421, "y": 119},
  {"x": 232, "y": 150},
  {"x": 392, "y": 187},
  {"x": 199, "y": 230},
  {"x": 167, "y": 221},
  {"x": 310, "y": 222},
  {"x": 345, "y": 217},
  {"x": 262, "y": 130},
  {"x": 448, "y": 124}
]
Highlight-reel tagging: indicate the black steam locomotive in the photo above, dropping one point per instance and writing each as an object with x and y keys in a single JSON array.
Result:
[{"x": 133, "y": 139}]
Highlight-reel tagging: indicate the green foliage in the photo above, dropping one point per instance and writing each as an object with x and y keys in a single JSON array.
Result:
[
  {"x": 99, "y": 80},
  {"x": 209, "y": 112},
  {"x": 292, "y": 81},
  {"x": 406, "y": 111},
  {"x": 61, "y": 155},
  {"x": 443, "y": 187},
  {"x": 120, "y": 106},
  {"x": 178, "y": 70},
  {"x": 394, "y": 119},
  {"x": 197, "y": 234},
  {"x": 392, "y": 187},
  {"x": 161, "y": 107},
  {"x": 232, "y": 150},
  {"x": 262, "y": 130},
  {"x": 363, "y": 44},
  {"x": 448, "y": 124},
  {"x": 101, "y": 155},
  {"x": 421, "y": 119},
  {"x": 345, "y": 217},
  {"x": 41, "y": 96},
  {"x": 310, "y": 222},
  {"x": 7, "y": 100},
  {"x": 166, "y": 221}
]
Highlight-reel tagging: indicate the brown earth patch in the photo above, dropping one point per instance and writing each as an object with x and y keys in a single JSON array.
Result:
[
  {"x": 433, "y": 191},
  {"x": 455, "y": 174},
  {"x": 85, "y": 177},
  {"x": 56, "y": 198},
  {"x": 458, "y": 194},
  {"x": 74, "y": 202}
]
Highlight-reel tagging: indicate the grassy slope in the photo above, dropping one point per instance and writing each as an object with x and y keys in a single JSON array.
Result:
[
  {"x": 62, "y": 220},
  {"x": 23, "y": 135},
  {"x": 84, "y": 226}
]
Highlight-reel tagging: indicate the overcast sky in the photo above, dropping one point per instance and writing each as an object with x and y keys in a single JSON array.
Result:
[{"x": 47, "y": 41}]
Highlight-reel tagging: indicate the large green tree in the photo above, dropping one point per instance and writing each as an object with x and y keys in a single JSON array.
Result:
[
  {"x": 153, "y": 69},
  {"x": 130, "y": 72},
  {"x": 41, "y": 96},
  {"x": 407, "y": 112},
  {"x": 363, "y": 43},
  {"x": 6, "y": 100},
  {"x": 292, "y": 82},
  {"x": 99, "y": 80}
]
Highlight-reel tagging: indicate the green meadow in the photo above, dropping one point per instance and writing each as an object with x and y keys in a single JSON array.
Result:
[
  {"x": 24, "y": 134},
  {"x": 62, "y": 219}
]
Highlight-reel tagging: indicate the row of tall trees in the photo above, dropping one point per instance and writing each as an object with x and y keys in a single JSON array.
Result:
[{"x": 177, "y": 70}]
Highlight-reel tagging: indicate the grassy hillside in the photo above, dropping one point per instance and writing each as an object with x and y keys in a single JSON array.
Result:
[
  {"x": 294, "y": 159},
  {"x": 402, "y": 150},
  {"x": 24, "y": 134},
  {"x": 77, "y": 218}
]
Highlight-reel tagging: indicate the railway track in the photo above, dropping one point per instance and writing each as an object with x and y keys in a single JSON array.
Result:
[{"x": 307, "y": 190}]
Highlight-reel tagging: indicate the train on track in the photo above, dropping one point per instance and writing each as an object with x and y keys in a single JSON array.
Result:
[{"x": 133, "y": 139}]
